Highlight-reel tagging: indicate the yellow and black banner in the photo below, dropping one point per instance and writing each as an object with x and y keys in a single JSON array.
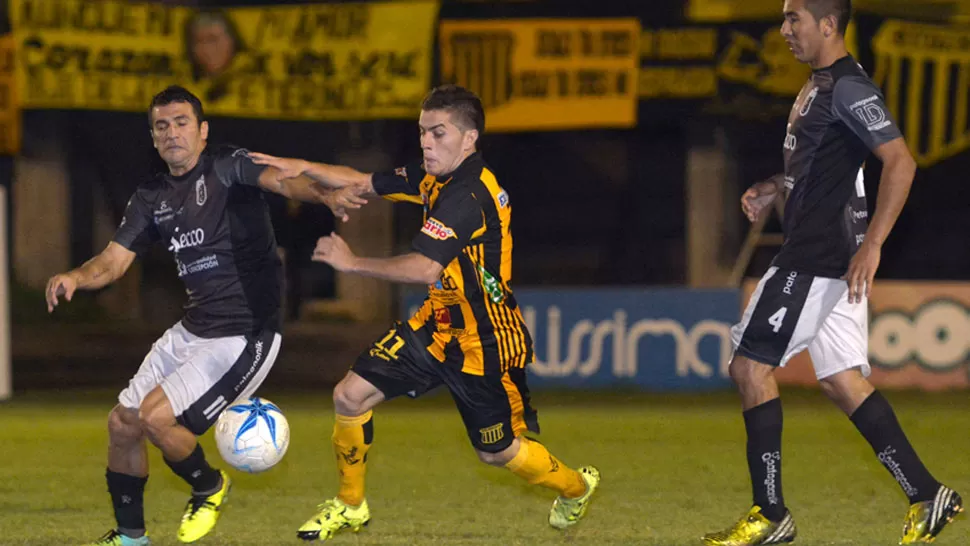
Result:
[
  {"x": 546, "y": 74},
  {"x": 9, "y": 106},
  {"x": 741, "y": 70},
  {"x": 924, "y": 71},
  {"x": 300, "y": 62}
]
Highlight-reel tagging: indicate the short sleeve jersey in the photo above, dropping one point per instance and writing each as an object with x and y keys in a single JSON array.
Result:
[
  {"x": 217, "y": 226},
  {"x": 838, "y": 119}
]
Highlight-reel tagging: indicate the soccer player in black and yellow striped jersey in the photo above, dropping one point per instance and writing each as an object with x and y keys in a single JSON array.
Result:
[{"x": 469, "y": 335}]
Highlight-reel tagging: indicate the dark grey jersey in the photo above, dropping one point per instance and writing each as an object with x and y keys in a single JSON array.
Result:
[
  {"x": 216, "y": 223},
  {"x": 838, "y": 118}
]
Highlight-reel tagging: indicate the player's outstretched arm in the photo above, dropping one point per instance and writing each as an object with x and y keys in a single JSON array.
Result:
[
  {"x": 406, "y": 268},
  {"x": 898, "y": 170},
  {"x": 303, "y": 188},
  {"x": 331, "y": 176},
  {"x": 98, "y": 272}
]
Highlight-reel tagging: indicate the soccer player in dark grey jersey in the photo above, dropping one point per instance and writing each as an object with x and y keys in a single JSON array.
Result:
[
  {"x": 210, "y": 213},
  {"x": 815, "y": 294}
]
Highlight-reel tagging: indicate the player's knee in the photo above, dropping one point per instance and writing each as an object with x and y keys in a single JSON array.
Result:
[
  {"x": 744, "y": 371},
  {"x": 348, "y": 401},
  {"x": 123, "y": 425},
  {"x": 155, "y": 419},
  {"x": 498, "y": 458},
  {"x": 354, "y": 396}
]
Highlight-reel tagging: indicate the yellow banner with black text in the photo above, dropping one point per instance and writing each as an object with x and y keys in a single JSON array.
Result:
[
  {"x": 546, "y": 74},
  {"x": 9, "y": 105},
  {"x": 301, "y": 62}
]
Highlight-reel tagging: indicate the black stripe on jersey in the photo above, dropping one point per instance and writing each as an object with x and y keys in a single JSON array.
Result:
[
  {"x": 491, "y": 356},
  {"x": 508, "y": 325},
  {"x": 500, "y": 321},
  {"x": 768, "y": 334}
]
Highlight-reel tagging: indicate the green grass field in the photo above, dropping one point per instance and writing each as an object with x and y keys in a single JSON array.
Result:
[{"x": 673, "y": 468}]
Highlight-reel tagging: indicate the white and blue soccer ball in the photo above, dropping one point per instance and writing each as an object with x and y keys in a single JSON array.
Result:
[{"x": 252, "y": 435}]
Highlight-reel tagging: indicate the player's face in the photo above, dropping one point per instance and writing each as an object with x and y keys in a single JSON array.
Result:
[
  {"x": 802, "y": 32},
  {"x": 444, "y": 144},
  {"x": 178, "y": 136}
]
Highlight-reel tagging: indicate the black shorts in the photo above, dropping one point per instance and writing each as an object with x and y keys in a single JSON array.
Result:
[{"x": 494, "y": 408}]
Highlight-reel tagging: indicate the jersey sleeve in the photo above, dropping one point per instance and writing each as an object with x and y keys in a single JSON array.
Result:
[
  {"x": 449, "y": 227},
  {"x": 401, "y": 184},
  {"x": 234, "y": 166},
  {"x": 137, "y": 230},
  {"x": 859, "y": 104}
]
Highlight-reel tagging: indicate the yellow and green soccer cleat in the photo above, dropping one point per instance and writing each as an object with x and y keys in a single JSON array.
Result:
[
  {"x": 334, "y": 516},
  {"x": 926, "y": 519},
  {"x": 753, "y": 530},
  {"x": 567, "y": 512},
  {"x": 202, "y": 513},
  {"x": 114, "y": 538}
]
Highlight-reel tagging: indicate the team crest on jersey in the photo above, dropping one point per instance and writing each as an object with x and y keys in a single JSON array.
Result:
[
  {"x": 492, "y": 434},
  {"x": 401, "y": 171},
  {"x": 201, "y": 194},
  {"x": 436, "y": 230},
  {"x": 808, "y": 102},
  {"x": 503, "y": 199}
]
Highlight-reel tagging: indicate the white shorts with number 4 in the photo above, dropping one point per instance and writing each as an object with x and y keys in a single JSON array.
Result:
[{"x": 791, "y": 311}]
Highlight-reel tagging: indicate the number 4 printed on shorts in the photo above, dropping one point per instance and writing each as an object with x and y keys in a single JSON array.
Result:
[{"x": 776, "y": 320}]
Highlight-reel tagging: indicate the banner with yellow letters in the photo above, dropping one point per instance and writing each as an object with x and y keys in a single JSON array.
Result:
[
  {"x": 9, "y": 105},
  {"x": 301, "y": 62},
  {"x": 546, "y": 74}
]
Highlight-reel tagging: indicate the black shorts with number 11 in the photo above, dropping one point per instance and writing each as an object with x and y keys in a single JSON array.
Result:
[{"x": 495, "y": 408}]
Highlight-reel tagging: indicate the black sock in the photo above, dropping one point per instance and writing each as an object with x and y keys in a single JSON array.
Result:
[
  {"x": 877, "y": 422},
  {"x": 763, "y": 424},
  {"x": 128, "y": 498},
  {"x": 196, "y": 472}
]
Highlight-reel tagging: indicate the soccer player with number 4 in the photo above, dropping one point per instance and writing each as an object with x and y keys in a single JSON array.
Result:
[{"x": 815, "y": 293}]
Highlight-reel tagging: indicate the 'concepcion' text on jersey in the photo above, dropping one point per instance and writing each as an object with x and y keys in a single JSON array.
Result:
[
  {"x": 838, "y": 118},
  {"x": 470, "y": 316},
  {"x": 216, "y": 223}
]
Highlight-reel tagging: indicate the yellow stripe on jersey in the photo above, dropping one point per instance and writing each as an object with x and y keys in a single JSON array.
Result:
[
  {"x": 404, "y": 198},
  {"x": 505, "y": 216}
]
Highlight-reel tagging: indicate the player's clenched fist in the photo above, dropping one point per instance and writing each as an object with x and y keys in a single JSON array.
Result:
[{"x": 333, "y": 250}]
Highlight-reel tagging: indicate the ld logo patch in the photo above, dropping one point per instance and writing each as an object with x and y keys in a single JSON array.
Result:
[{"x": 492, "y": 434}]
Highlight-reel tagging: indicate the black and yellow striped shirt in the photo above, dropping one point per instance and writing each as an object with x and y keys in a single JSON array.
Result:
[{"x": 470, "y": 316}]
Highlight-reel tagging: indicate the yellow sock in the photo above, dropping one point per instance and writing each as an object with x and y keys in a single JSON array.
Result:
[
  {"x": 352, "y": 437},
  {"x": 536, "y": 465}
]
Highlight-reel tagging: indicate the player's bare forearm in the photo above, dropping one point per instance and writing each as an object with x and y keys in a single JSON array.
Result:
[
  {"x": 100, "y": 271},
  {"x": 406, "y": 268},
  {"x": 302, "y": 188},
  {"x": 338, "y": 176},
  {"x": 778, "y": 181},
  {"x": 894, "y": 186}
]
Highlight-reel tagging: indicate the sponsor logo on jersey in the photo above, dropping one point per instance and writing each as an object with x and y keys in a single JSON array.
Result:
[
  {"x": 436, "y": 230},
  {"x": 870, "y": 112},
  {"x": 204, "y": 263},
  {"x": 185, "y": 240}
]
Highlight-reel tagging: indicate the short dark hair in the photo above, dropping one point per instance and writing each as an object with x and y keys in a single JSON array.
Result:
[
  {"x": 840, "y": 9},
  {"x": 177, "y": 93},
  {"x": 461, "y": 103}
]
